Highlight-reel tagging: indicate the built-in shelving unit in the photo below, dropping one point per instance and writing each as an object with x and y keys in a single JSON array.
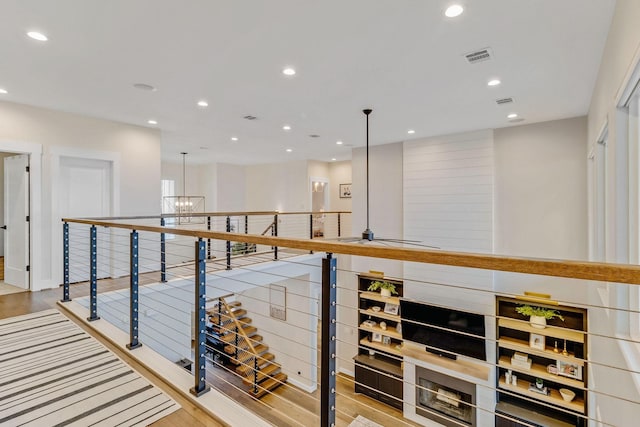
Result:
[
  {"x": 554, "y": 356},
  {"x": 378, "y": 364}
]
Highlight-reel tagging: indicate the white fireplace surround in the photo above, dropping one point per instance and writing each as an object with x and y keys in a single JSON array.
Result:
[{"x": 485, "y": 394}]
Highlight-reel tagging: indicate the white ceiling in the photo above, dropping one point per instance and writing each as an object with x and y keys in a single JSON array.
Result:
[{"x": 402, "y": 58}]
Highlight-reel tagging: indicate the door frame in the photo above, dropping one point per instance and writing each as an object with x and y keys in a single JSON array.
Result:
[
  {"x": 57, "y": 153},
  {"x": 36, "y": 250}
]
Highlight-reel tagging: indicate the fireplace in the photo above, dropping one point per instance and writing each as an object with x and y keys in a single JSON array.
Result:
[{"x": 447, "y": 400}]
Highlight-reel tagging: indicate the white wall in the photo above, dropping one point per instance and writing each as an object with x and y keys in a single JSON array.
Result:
[
  {"x": 541, "y": 190},
  {"x": 136, "y": 150},
  {"x": 278, "y": 186},
  {"x": 231, "y": 188},
  {"x": 339, "y": 173}
]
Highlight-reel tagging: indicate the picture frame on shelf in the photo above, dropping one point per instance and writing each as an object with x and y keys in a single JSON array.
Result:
[
  {"x": 537, "y": 341},
  {"x": 391, "y": 308},
  {"x": 570, "y": 370},
  {"x": 376, "y": 337},
  {"x": 345, "y": 191}
]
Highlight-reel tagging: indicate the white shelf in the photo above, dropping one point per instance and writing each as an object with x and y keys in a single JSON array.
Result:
[
  {"x": 381, "y": 315},
  {"x": 554, "y": 397},
  {"x": 549, "y": 331},
  {"x": 523, "y": 347},
  {"x": 391, "y": 349},
  {"x": 540, "y": 371},
  {"x": 375, "y": 296},
  {"x": 389, "y": 332}
]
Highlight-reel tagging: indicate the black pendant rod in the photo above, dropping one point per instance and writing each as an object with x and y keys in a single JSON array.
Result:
[{"x": 368, "y": 234}]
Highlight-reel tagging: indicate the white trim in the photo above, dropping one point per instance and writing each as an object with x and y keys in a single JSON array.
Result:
[
  {"x": 36, "y": 252},
  {"x": 630, "y": 81},
  {"x": 56, "y": 154}
]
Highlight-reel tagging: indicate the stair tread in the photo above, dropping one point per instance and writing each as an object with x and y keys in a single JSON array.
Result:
[
  {"x": 262, "y": 360},
  {"x": 242, "y": 344},
  {"x": 266, "y": 371},
  {"x": 230, "y": 335},
  {"x": 269, "y": 384},
  {"x": 246, "y": 355}
]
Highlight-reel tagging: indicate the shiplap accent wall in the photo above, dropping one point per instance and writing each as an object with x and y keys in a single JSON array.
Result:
[{"x": 448, "y": 202}]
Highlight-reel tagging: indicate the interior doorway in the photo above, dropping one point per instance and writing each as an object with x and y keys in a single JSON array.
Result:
[
  {"x": 319, "y": 203},
  {"x": 15, "y": 219}
]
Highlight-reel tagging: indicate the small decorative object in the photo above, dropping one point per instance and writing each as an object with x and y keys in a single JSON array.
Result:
[
  {"x": 538, "y": 316},
  {"x": 386, "y": 288},
  {"x": 391, "y": 308},
  {"x": 567, "y": 395},
  {"x": 552, "y": 369},
  {"x": 386, "y": 340},
  {"x": 555, "y": 346},
  {"x": 536, "y": 341},
  {"x": 369, "y": 323},
  {"x": 376, "y": 337},
  {"x": 399, "y": 328},
  {"x": 564, "y": 350},
  {"x": 542, "y": 390},
  {"x": 345, "y": 191},
  {"x": 507, "y": 377},
  {"x": 539, "y": 383},
  {"x": 376, "y": 308},
  {"x": 514, "y": 379},
  {"x": 372, "y": 354},
  {"x": 383, "y": 326},
  {"x": 570, "y": 370}
]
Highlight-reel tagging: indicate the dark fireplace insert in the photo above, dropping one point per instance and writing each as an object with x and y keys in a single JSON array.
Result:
[{"x": 447, "y": 400}]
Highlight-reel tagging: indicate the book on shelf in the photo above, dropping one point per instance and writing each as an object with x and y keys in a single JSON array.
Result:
[
  {"x": 544, "y": 390},
  {"x": 520, "y": 356},
  {"x": 520, "y": 364}
]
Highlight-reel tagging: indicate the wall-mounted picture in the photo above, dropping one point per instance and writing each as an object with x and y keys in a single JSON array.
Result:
[
  {"x": 569, "y": 370},
  {"x": 376, "y": 337},
  {"x": 536, "y": 341},
  {"x": 345, "y": 191},
  {"x": 391, "y": 308}
]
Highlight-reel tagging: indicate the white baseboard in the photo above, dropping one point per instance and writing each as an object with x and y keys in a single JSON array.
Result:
[{"x": 306, "y": 387}]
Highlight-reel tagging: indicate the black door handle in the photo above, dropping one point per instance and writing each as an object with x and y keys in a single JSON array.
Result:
[{"x": 4, "y": 227}]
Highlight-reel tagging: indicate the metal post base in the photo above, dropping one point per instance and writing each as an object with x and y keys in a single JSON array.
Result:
[
  {"x": 196, "y": 393},
  {"x": 133, "y": 347}
]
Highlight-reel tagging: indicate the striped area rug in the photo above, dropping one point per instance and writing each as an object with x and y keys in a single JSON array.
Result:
[{"x": 52, "y": 373}]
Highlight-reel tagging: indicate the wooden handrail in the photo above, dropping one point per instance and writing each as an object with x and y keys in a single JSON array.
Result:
[
  {"x": 607, "y": 272},
  {"x": 239, "y": 329},
  {"x": 206, "y": 214}
]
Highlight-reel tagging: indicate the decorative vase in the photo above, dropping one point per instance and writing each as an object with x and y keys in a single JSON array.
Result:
[
  {"x": 385, "y": 292},
  {"x": 538, "y": 322}
]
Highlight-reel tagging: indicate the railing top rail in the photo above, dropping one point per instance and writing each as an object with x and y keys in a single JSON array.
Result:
[
  {"x": 205, "y": 214},
  {"x": 620, "y": 273}
]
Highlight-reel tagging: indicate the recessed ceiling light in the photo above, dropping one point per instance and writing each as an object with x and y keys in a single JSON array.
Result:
[
  {"x": 494, "y": 82},
  {"x": 339, "y": 142},
  {"x": 286, "y": 127},
  {"x": 512, "y": 116},
  {"x": 203, "y": 103},
  {"x": 411, "y": 131},
  {"x": 234, "y": 138},
  {"x": 152, "y": 122},
  {"x": 289, "y": 71},
  {"x": 37, "y": 36},
  {"x": 3, "y": 91},
  {"x": 144, "y": 86},
  {"x": 289, "y": 150},
  {"x": 453, "y": 11},
  {"x": 333, "y": 159}
]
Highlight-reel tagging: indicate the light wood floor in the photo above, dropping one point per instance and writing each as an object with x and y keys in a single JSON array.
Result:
[{"x": 287, "y": 406}]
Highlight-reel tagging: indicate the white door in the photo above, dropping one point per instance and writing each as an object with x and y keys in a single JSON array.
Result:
[
  {"x": 85, "y": 191},
  {"x": 16, "y": 211}
]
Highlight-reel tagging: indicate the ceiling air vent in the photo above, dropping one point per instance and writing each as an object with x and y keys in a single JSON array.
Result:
[
  {"x": 479, "y": 56},
  {"x": 250, "y": 117},
  {"x": 503, "y": 101},
  {"x": 313, "y": 135}
]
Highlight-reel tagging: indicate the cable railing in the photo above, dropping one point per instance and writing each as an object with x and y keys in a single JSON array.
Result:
[{"x": 301, "y": 339}]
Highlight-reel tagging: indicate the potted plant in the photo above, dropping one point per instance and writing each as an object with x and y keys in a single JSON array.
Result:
[
  {"x": 538, "y": 316},
  {"x": 386, "y": 288}
]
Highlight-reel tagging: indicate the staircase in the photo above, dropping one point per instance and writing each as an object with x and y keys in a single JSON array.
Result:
[{"x": 245, "y": 347}]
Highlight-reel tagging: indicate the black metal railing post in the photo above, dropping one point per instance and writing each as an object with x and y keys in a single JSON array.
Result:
[
  {"x": 65, "y": 262},
  {"x": 163, "y": 254},
  {"x": 208, "y": 240},
  {"x": 200, "y": 387},
  {"x": 133, "y": 292},
  {"x": 246, "y": 224},
  {"x": 311, "y": 229},
  {"x": 328, "y": 326},
  {"x": 228, "y": 244},
  {"x": 93, "y": 273},
  {"x": 338, "y": 224},
  {"x": 274, "y": 232}
]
